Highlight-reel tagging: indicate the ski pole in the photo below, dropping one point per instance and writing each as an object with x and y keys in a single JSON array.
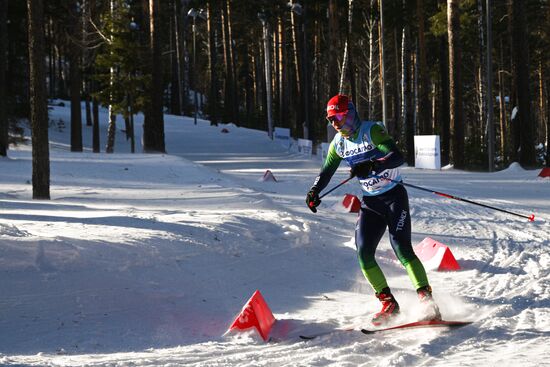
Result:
[
  {"x": 531, "y": 217},
  {"x": 335, "y": 187}
]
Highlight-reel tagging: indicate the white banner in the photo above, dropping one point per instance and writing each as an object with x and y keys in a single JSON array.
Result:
[
  {"x": 427, "y": 152},
  {"x": 305, "y": 146},
  {"x": 282, "y": 135}
]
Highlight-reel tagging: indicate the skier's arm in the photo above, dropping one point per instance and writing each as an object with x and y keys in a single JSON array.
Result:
[
  {"x": 332, "y": 161},
  {"x": 392, "y": 157}
]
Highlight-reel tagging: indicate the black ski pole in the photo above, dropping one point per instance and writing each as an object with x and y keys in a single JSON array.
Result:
[
  {"x": 531, "y": 217},
  {"x": 335, "y": 187}
]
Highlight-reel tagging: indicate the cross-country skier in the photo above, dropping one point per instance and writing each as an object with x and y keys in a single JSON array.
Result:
[{"x": 369, "y": 150}]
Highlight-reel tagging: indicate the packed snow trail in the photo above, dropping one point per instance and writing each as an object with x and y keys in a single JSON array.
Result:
[{"x": 143, "y": 260}]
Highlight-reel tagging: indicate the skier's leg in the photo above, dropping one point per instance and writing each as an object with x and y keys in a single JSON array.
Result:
[
  {"x": 399, "y": 226},
  {"x": 370, "y": 228},
  {"x": 368, "y": 231}
]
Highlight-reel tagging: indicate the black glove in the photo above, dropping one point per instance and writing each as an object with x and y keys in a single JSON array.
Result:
[
  {"x": 312, "y": 200},
  {"x": 364, "y": 169}
]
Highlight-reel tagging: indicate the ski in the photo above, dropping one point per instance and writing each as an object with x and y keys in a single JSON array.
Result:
[
  {"x": 327, "y": 332},
  {"x": 419, "y": 324}
]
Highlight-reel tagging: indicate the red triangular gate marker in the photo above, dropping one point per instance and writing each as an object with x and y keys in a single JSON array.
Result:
[
  {"x": 545, "y": 172},
  {"x": 351, "y": 203},
  {"x": 268, "y": 176},
  {"x": 255, "y": 314},
  {"x": 435, "y": 255}
]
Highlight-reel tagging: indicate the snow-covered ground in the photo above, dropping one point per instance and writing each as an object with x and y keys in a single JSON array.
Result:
[{"x": 144, "y": 260}]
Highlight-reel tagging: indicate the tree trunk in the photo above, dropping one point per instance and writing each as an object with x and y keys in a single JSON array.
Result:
[
  {"x": 38, "y": 102},
  {"x": 502, "y": 105},
  {"x": 294, "y": 28},
  {"x": 482, "y": 83},
  {"x": 283, "y": 100},
  {"x": 350, "y": 61},
  {"x": 111, "y": 131},
  {"x": 335, "y": 49},
  {"x": 87, "y": 105},
  {"x": 423, "y": 118},
  {"x": 382, "y": 77},
  {"x": 308, "y": 127},
  {"x": 547, "y": 128},
  {"x": 514, "y": 130},
  {"x": 75, "y": 81},
  {"x": 276, "y": 69},
  {"x": 95, "y": 126},
  {"x": 543, "y": 113},
  {"x": 175, "y": 92},
  {"x": 406, "y": 111},
  {"x": 228, "y": 93},
  {"x": 521, "y": 71},
  {"x": 248, "y": 87},
  {"x": 373, "y": 25},
  {"x": 89, "y": 5},
  {"x": 267, "y": 62},
  {"x": 51, "y": 60},
  {"x": 4, "y": 143},
  {"x": 213, "y": 95},
  {"x": 76, "y": 111},
  {"x": 455, "y": 84},
  {"x": 397, "y": 89},
  {"x": 153, "y": 126},
  {"x": 444, "y": 101},
  {"x": 183, "y": 55},
  {"x": 232, "y": 67}
]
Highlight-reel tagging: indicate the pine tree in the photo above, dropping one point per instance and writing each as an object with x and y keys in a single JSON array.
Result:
[
  {"x": 39, "y": 110},
  {"x": 124, "y": 89},
  {"x": 4, "y": 144}
]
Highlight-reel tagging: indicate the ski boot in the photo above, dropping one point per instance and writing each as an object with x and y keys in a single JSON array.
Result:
[
  {"x": 430, "y": 310},
  {"x": 390, "y": 308}
]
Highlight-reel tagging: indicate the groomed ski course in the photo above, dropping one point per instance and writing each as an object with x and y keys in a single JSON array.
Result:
[{"x": 144, "y": 260}]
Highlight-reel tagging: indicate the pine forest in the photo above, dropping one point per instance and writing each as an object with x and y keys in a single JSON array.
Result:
[{"x": 474, "y": 72}]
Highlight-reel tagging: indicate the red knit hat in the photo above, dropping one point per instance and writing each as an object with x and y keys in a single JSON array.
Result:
[{"x": 337, "y": 104}]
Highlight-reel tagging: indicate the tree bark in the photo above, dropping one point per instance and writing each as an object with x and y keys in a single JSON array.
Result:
[
  {"x": 444, "y": 101},
  {"x": 423, "y": 118},
  {"x": 373, "y": 26},
  {"x": 541, "y": 103},
  {"x": 228, "y": 85},
  {"x": 38, "y": 102},
  {"x": 382, "y": 74},
  {"x": 75, "y": 81},
  {"x": 514, "y": 130},
  {"x": 283, "y": 100},
  {"x": 521, "y": 70},
  {"x": 95, "y": 126},
  {"x": 4, "y": 143},
  {"x": 333, "y": 37},
  {"x": 455, "y": 84},
  {"x": 175, "y": 85},
  {"x": 111, "y": 130},
  {"x": 502, "y": 105},
  {"x": 213, "y": 95},
  {"x": 153, "y": 126},
  {"x": 482, "y": 90},
  {"x": 406, "y": 98},
  {"x": 232, "y": 67}
]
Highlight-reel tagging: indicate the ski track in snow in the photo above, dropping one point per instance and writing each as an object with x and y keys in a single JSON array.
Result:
[{"x": 144, "y": 260}]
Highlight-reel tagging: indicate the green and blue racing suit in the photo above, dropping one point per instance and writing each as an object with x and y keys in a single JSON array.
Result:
[{"x": 385, "y": 203}]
